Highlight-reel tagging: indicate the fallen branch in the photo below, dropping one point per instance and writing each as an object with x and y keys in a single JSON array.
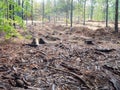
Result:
[
  {"x": 111, "y": 69},
  {"x": 106, "y": 50},
  {"x": 75, "y": 70},
  {"x": 73, "y": 74},
  {"x": 113, "y": 79}
]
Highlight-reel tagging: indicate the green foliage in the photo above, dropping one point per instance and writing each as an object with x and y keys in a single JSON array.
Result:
[
  {"x": 48, "y": 8},
  {"x": 63, "y": 6},
  {"x": 6, "y": 27},
  {"x": 27, "y": 8},
  {"x": 10, "y": 17}
]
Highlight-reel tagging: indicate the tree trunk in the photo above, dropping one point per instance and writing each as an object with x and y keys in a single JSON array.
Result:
[
  {"x": 84, "y": 12},
  {"x": 26, "y": 15},
  {"x": 13, "y": 14},
  {"x": 43, "y": 7},
  {"x": 7, "y": 11},
  {"x": 71, "y": 15},
  {"x": 19, "y": 13},
  {"x": 116, "y": 16},
  {"x": 106, "y": 13},
  {"x": 22, "y": 11},
  {"x": 78, "y": 21},
  {"x": 55, "y": 16},
  {"x": 66, "y": 18},
  {"x": 32, "y": 11},
  {"x": 91, "y": 11},
  {"x": 10, "y": 10}
]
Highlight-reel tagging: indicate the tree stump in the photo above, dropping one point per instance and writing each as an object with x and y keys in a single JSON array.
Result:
[
  {"x": 35, "y": 41},
  {"x": 88, "y": 41},
  {"x": 41, "y": 41}
]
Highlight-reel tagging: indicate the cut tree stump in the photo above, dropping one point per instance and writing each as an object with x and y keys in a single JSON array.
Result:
[
  {"x": 89, "y": 42},
  {"x": 41, "y": 41},
  {"x": 36, "y": 42}
]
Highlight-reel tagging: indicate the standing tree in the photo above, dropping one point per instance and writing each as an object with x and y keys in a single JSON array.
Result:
[
  {"x": 67, "y": 6},
  {"x": 26, "y": 8},
  {"x": 43, "y": 12},
  {"x": 22, "y": 11},
  {"x": 64, "y": 6},
  {"x": 106, "y": 13},
  {"x": 116, "y": 16},
  {"x": 92, "y": 9},
  {"x": 84, "y": 12},
  {"x": 55, "y": 16},
  {"x": 71, "y": 14},
  {"x": 7, "y": 11},
  {"x": 32, "y": 11},
  {"x": 48, "y": 9}
]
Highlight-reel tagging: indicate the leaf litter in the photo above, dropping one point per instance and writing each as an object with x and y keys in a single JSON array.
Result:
[{"x": 65, "y": 62}]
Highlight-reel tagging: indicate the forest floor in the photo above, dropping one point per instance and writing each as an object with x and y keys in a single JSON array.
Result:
[{"x": 76, "y": 59}]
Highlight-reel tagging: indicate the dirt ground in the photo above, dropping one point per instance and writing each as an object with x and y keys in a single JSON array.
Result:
[{"x": 76, "y": 59}]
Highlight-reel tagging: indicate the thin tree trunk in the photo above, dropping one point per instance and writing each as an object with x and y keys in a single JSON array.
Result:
[
  {"x": 66, "y": 18},
  {"x": 26, "y": 15},
  {"x": 22, "y": 11},
  {"x": 32, "y": 11},
  {"x": 49, "y": 18},
  {"x": 55, "y": 16},
  {"x": 91, "y": 11},
  {"x": 43, "y": 7},
  {"x": 7, "y": 9},
  {"x": 13, "y": 14},
  {"x": 19, "y": 13},
  {"x": 10, "y": 10},
  {"x": 106, "y": 13},
  {"x": 84, "y": 12},
  {"x": 71, "y": 15},
  {"x": 78, "y": 11},
  {"x": 116, "y": 16}
]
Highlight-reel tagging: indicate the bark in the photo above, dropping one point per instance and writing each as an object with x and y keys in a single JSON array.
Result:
[
  {"x": 116, "y": 16},
  {"x": 19, "y": 13},
  {"x": 10, "y": 10},
  {"x": 84, "y": 12},
  {"x": 92, "y": 8},
  {"x": 43, "y": 7},
  {"x": 7, "y": 11},
  {"x": 66, "y": 18},
  {"x": 106, "y": 13},
  {"x": 22, "y": 10},
  {"x": 32, "y": 11},
  {"x": 55, "y": 16},
  {"x": 26, "y": 15},
  {"x": 71, "y": 15}
]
